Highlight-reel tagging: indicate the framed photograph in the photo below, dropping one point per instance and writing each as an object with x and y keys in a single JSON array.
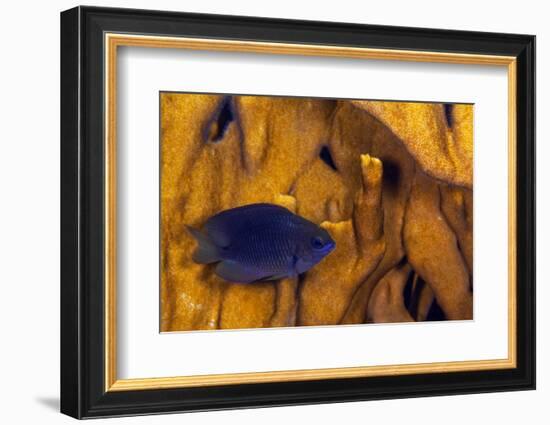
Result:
[{"x": 261, "y": 212}]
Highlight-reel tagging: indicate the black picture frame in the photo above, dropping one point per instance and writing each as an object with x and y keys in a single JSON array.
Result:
[{"x": 82, "y": 217}]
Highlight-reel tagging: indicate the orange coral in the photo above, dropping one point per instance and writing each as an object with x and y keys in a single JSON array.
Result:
[{"x": 390, "y": 181}]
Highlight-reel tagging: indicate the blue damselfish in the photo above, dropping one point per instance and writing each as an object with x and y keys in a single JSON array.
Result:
[{"x": 259, "y": 242}]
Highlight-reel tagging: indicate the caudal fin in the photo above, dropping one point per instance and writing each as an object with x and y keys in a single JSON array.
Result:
[{"x": 207, "y": 251}]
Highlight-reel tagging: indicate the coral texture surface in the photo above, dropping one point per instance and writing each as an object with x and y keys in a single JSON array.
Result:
[{"x": 391, "y": 181}]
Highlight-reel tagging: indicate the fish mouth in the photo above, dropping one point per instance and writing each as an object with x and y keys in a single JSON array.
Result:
[{"x": 329, "y": 247}]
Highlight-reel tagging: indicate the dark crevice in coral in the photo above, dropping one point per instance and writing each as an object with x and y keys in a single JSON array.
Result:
[
  {"x": 292, "y": 188},
  {"x": 417, "y": 285},
  {"x": 221, "y": 300},
  {"x": 356, "y": 239},
  {"x": 277, "y": 290},
  {"x": 327, "y": 157},
  {"x": 435, "y": 313},
  {"x": 409, "y": 292},
  {"x": 369, "y": 282},
  {"x": 449, "y": 114},
  {"x": 220, "y": 124},
  {"x": 392, "y": 175},
  {"x": 299, "y": 297}
]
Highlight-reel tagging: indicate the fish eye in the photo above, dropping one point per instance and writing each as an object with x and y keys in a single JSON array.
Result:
[{"x": 317, "y": 243}]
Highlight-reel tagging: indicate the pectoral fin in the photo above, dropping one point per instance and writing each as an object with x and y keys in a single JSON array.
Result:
[
  {"x": 302, "y": 266},
  {"x": 277, "y": 276},
  {"x": 236, "y": 272}
]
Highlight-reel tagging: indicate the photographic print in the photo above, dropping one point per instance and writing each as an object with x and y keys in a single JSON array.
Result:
[{"x": 292, "y": 211}]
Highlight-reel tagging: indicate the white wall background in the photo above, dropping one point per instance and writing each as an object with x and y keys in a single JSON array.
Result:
[{"x": 29, "y": 209}]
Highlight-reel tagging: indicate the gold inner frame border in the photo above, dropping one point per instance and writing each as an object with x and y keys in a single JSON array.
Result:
[{"x": 111, "y": 43}]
